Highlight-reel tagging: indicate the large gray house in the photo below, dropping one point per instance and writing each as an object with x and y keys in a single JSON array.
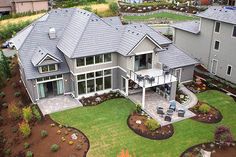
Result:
[
  {"x": 75, "y": 52},
  {"x": 212, "y": 40}
]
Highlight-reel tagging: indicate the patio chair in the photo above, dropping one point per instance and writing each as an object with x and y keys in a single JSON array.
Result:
[
  {"x": 181, "y": 113},
  {"x": 160, "y": 110},
  {"x": 140, "y": 78},
  {"x": 167, "y": 118},
  {"x": 172, "y": 105},
  {"x": 170, "y": 112}
]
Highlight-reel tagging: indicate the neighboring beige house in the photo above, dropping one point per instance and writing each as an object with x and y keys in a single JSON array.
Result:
[
  {"x": 21, "y": 6},
  {"x": 212, "y": 40}
]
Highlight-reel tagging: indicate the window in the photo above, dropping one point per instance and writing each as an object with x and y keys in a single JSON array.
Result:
[
  {"x": 81, "y": 87},
  {"x": 90, "y": 75},
  {"x": 52, "y": 67},
  {"x": 80, "y": 62},
  {"x": 89, "y": 60},
  {"x": 107, "y": 57},
  {"x": 44, "y": 68},
  {"x": 99, "y": 73},
  {"x": 81, "y": 77},
  {"x": 107, "y": 72},
  {"x": 90, "y": 86},
  {"x": 234, "y": 31},
  {"x": 107, "y": 81},
  {"x": 229, "y": 70},
  {"x": 217, "y": 27},
  {"x": 99, "y": 59},
  {"x": 217, "y": 45},
  {"x": 99, "y": 84},
  {"x": 49, "y": 78}
]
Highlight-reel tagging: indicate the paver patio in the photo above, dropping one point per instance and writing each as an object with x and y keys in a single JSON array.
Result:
[
  {"x": 152, "y": 100},
  {"x": 58, "y": 103}
]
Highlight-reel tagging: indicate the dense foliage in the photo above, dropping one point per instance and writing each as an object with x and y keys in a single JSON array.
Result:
[
  {"x": 27, "y": 113},
  {"x": 204, "y": 108},
  {"x": 152, "y": 124},
  {"x": 72, "y": 3},
  {"x": 223, "y": 136},
  {"x": 5, "y": 70},
  {"x": 25, "y": 128},
  {"x": 114, "y": 7},
  {"x": 16, "y": 15}
]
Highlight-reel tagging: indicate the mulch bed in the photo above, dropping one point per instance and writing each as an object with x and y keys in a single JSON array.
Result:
[
  {"x": 194, "y": 151},
  {"x": 97, "y": 99},
  {"x": 161, "y": 133},
  {"x": 11, "y": 139},
  {"x": 214, "y": 116}
]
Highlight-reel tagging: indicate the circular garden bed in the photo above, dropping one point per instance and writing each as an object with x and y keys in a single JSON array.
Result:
[
  {"x": 206, "y": 113},
  {"x": 139, "y": 124},
  {"x": 216, "y": 151}
]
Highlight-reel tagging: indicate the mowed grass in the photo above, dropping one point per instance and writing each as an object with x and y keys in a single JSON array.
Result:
[
  {"x": 163, "y": 15},
  {"x": 106, "y": 127}
]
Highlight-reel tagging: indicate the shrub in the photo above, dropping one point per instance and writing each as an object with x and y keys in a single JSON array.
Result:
[
  {"x": 17, "y": 94},
  {"x": 29, "y": 154},
  {"x": 7, "y": 152},
  {"x": 54, "y": 147},
  {"x": 36, "y": 113},
  {"x": 88, "y": 8},
  {"x": 223, "y": 135},
  {"x": 27, "y": 113},
  {"x": 26, "y": 145},
  {"x": 43, "y": 133},
  {"x": 113, "y": 7},
  {"x": 204, "y": 108},
  {"x": 14, "y": 111},
  {"x": 151, "y": 124},
  {"x": 138, "y": 108},
  {"x": 24, "y": 128},
  {"x": 2, "y": 94}
]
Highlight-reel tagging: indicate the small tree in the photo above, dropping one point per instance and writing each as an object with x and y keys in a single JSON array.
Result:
[
  {"x": 14, "y": 111},
  {"x": 4, "y": 64},
  {"x": 113, "y": 7},
  {"x": 223, "y": 136},
  {"x": 27, "y": 113},
  {"x": 25, "y": 128}
]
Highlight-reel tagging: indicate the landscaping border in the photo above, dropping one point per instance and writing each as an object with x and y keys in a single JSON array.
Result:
[{"x": 147, "y": 135}]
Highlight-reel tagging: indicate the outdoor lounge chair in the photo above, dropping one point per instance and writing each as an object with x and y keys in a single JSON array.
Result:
[
  {"x": 181, "y": 113},
  {"x": 160, "y": 110},
  {"x": 172, "y": 105},
  {"x": 167, "y": 118}
]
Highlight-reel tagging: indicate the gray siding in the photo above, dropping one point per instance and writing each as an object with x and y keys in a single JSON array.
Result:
[
  {"x": 144, "y": 46},
  {"x": 67, "y": 83},
  {"x": 117, "y": 76},
  {"x": 187, "y": 73}
]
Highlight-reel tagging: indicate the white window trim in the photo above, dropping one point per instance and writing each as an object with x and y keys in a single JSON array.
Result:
[
  {"x": 216, "y": 66},
  {"x": 180, "y": 74},
  {"x": 215, "y": 27},
  {"x": 41, "y": 70},
  {"x": 234, "y": 26},
  {"x": 227, "y": 70},
  {"x": 95, "y": 64},
  {"x": 214, "y": 45}
]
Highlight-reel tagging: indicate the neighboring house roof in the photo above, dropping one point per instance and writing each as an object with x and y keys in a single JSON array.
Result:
[
  {"x": 40, "y": 54},
  {"x": 174, "y": 57},
  {"x": 79, "y": 33},
  {"x": 220, "y": 13},
  {"x": 189, "y": 26}
]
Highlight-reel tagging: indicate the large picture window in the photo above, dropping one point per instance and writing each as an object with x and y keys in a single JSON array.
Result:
[
  {"x": 94, "y": 81},
  {"x": 89, "y": 60}
]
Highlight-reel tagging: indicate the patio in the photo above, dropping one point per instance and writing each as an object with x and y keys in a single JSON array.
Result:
[
  {"x": 154, "y": 100},
  {"x": 58, "y": 103}
]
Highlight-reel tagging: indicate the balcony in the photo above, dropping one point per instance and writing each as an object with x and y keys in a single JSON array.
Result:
[{"x": 152, "y": 77}]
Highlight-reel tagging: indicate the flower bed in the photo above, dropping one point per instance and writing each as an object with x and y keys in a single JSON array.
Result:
[
  {"x": 97, "y": 99},
  {"x": 197, "y": 86},
  {"x": 181, "y": 97},
  {"x": 206, "y": 113},
  {"x": 136, "y": 122}
]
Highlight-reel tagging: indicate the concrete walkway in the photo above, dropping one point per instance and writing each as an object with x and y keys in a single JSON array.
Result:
[
  {"x": 192, "y": 97},
  {"x": 57, "y": 103}
]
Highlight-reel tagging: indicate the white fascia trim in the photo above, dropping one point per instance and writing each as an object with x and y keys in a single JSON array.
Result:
[
  {"x": 53, "y": 58},
  {"x": 146, "y": 36}
]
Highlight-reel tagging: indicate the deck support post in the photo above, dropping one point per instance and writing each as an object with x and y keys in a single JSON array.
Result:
[{"x": 143, "y": 98}]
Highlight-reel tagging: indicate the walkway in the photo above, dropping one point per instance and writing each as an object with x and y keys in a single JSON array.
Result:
[
  {"x": 152, "y": 100},
  {"x": 192, "y": 97},
  {"x": 57, "y": 103}
]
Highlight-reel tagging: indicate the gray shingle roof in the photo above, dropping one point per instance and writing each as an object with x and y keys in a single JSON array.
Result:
[
  {"x": 174, "y": 57},
  {"x": 189, "y": 26},
  {"x": 220, "y": 13},
  {"x": 115, "y": 21},
  {"x": 40, "y": 53}
]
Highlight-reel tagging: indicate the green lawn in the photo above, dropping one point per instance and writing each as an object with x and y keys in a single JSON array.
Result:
[
  {"x": 168, "y": 16},
  {"x": 108, "y": 133}
]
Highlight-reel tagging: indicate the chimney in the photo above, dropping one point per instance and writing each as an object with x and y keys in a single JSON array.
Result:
[{"x": 52, "y": 33}]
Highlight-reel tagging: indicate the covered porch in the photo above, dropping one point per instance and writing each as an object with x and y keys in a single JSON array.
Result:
[{"x": 153, "y": 100}]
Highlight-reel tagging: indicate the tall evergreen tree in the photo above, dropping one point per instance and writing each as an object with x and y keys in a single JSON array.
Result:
[{"x": 4, "y": 66}]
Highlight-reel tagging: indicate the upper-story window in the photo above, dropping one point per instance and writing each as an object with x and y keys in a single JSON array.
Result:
[
  {"x": 91, "y": 60},
  {"x": 217, "y": 27},
  {"x": 229, "y": 70},
  {"x": 234, "y": 31},
  {"x": 48, "y": 68},
  {"x": 217, "y": 45}
]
